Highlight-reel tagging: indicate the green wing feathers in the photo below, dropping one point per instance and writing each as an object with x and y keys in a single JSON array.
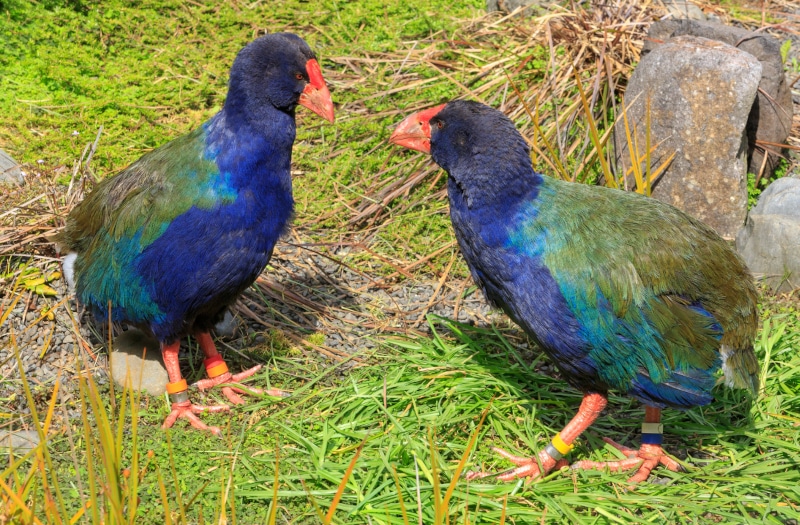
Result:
[
  {"x": 656, "y": 264},
  {"x": 140, "y": 198}
]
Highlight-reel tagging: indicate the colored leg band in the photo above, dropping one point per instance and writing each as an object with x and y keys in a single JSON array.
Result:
[
  {"x": 652, "y": 428},
  {"x": 179, "y": 397},
  {"x": 652, "y": 433},
  {"x": 652, "y": 439},
  {"x": 560, "y": 446},
  {"x": 552, "y": 452},
  {"x": 217, "y": 370},
  {"x": 177, "y": 386}
]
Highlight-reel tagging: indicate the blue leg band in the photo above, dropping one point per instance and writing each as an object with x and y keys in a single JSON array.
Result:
[{"x": 652, "y": 439}]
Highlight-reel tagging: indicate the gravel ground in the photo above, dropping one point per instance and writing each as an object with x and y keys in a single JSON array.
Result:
[{"x": 302, "y": 292}]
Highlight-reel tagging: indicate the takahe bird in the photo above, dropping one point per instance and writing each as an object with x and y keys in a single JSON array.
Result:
[
  {"x": 168, "y": 243},
  {"x": 622, "y": 292}
]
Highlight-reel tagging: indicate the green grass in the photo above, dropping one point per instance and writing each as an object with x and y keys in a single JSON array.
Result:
[
  {"x": 413, "y": 411},
  {"x": 151, "y": 71}
]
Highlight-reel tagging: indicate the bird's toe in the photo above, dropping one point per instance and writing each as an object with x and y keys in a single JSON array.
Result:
[
  {"x": 643, "y": 460},
  {"x": 246, "y": 373},
  {"x": 186, "y": 410},
  {"x": 526, "y": 467}
]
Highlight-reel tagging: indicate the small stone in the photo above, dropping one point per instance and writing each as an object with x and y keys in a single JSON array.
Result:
[
  {"x": 128, "y": 367},
  {"x": 228, "y": 326},
  {"x": 529, "y": 7},
  {"x": 10, "y": 174},
  {"x": 67, "y": 339},
  {"x": 684, "y": 9},
  {"x": 20, "y": 441}
]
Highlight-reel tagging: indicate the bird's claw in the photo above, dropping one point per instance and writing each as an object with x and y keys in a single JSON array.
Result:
[
  {"x": 646, "y": 458},
  {"x": 526, "y": 467},
  {"x": 187, "y": 410},
  {"x": 232, "y": 392},
  {"x": 227, "y": 377}
]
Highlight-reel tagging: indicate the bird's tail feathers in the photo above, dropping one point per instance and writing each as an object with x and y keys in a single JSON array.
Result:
[{"x": 740, "y": 367}]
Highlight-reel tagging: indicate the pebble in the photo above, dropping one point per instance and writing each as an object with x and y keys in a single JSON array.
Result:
[
  {"x": 20, "y": 442},
  {"x": 127, "y": 365}
]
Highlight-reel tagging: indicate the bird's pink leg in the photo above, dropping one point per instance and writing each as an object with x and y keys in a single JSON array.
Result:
[
  {"x": 590, "y": 409},
  {"x": 646, "y": 458},
  {"x": 218, "y": 373},
  {"x": 177, "y": 389}
]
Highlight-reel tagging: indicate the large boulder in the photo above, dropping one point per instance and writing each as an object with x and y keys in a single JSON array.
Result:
[
  {"x": 770, "y": 240},
  {"x": 20, "y": 442},
  {"x": 699, "y": 93},
  {"x": 771, "y": 115}
]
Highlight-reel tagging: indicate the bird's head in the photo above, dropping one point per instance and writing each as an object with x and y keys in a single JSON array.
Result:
[
  {"x": 478, "y": 146},
  {"x": 281, "y": 71}
]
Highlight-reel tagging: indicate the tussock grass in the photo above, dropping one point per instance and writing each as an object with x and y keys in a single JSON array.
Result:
[
  {"x": 381, "y": 436},
  {"x": 386, "y": 444},
  {"x": 410, "y": 418}
]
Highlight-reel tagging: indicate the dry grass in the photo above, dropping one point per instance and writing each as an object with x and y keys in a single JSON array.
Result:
[{"x": 559, "y": 77}]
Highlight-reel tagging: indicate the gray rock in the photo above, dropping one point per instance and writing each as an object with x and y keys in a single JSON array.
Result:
[
  {"x": 148, "y": 374},
  {"x": 19, "y": 441},
  {"x": 684, "y": 9},
  {"x": 771, "y": 115},
  {"x": 10, "y": 174},
  {"x": 700, "y": 93},
  {"x": 782, "y": 197},
  {"x": 770, "y": 240},
  {"x": 508, "y": 6},
  {"x": 228, "y": 326}
]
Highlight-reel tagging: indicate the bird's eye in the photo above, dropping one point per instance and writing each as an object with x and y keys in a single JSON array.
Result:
[
  {"x": 299, "y": 76},
  {"x": 439, "y": 124}
]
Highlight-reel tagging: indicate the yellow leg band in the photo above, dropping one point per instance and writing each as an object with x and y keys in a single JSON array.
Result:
[
  {"x": 559, "y": 445},
  {"x": 177, "y": 386},
  {"x": 217, "y": 370}
]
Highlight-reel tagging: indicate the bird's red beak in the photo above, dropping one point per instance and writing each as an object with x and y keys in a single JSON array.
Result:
[
  {"x": 316, "y": 96},
  {"x": 414, "y": 132}
]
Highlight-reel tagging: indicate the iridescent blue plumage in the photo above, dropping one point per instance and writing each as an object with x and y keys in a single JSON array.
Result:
[
  {"x": 175, "y": 237},
  {"x": 171, "y": 241},
  {"x": 622, "y": 292}
]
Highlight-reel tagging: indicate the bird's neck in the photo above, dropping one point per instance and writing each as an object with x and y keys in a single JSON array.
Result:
[
  {"x": 493, "y": 190},
  {"x": 252, "y": 153}
]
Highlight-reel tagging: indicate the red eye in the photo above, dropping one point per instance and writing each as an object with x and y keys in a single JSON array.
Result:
[
  {"x": 439, "y": 124},
  {"x": 299, "y": 76}
]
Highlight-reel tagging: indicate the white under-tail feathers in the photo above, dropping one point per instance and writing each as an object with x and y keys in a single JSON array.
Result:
[
  {"x": 725, "y": 352},
  {"x": 68, "y": 267}
]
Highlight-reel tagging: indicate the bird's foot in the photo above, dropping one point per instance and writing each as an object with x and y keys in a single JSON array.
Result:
[
  {"x": 186, "y": 410},
  {"x": 232, "y": 392},
  {"x": 646, "y": 458},
  {"x": 526, "y": 467}
]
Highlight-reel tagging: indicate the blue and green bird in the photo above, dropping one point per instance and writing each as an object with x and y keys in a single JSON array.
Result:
[
  {"x": 171, "y": 241},
  {"x": 622, "y": 292}
]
